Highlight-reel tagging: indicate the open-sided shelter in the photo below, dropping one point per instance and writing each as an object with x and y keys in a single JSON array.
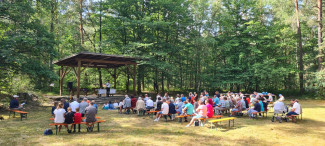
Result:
[{"x": 79, "y": 62}]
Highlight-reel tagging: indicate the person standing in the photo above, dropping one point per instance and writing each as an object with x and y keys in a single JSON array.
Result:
[{"x": 108, "y": 88}]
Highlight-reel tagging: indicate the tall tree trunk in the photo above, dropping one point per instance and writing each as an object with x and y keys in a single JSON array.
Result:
[
  {"x": 81, "y": 24},
  {"x": 301, "y": 67},
  {"x": 100, "y": 44},
  {"x": 320, "y": 27},
  {"x": 53, "y": 9}
]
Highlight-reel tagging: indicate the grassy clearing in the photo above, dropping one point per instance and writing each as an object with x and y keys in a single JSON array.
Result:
[{"x": 134, "y": 130}]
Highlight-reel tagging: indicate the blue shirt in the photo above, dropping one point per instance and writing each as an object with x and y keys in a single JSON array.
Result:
[
  {"x": 95, "y": 105},
  {"x": 14, "y": 103},
  {"x": 207, "y": 95},
  {"x": 183, "y": 99},
  {"x": 216, "y": 101},
  {"x": 262, "y": 107}
]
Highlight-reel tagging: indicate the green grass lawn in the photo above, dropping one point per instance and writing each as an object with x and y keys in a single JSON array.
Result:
[{"x": 133, "y": 130}]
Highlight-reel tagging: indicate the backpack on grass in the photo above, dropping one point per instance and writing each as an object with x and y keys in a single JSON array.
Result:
[{"x": 48, "y": 132}]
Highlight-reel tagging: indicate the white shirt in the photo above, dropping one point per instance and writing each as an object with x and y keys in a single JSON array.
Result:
[
  {"x": 59, "y": 115},
  {"x": 279, "y": 106},
  {"x": 74, "y": 105},
  {"x": 270, "y": 98},
  {"x": 164, "y": 108},
  {"x": 115, "y": 104},
  {"x": 146, "y": 99},
  {"x": 296, "y": 106},
  {"x": 121, "y": 104},
  {"x": 108, "y": 85},
  {"x": 149, "y": 102}
]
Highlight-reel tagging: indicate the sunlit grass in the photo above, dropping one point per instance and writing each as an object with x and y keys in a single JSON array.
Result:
[{"x": 133, "y": 130}]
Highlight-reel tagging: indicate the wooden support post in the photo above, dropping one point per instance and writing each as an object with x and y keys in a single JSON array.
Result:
[
  {"x": 78, "y": 79},
  {"x": 134, "y": 78},
  {"x": 61, "y": 80},
  {"x": 115, "y": 78}
]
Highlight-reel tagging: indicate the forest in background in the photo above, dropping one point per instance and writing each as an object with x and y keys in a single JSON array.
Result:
[{"x": 187, "y": 45}]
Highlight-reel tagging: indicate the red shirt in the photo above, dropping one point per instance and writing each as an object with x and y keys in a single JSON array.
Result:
[
  {"x": 133, "y": 102},
  {"x": 209, "y": 110},
  {"x": 248, "y": 100},
  {"x": 77, "y": 118},
  {"x": 192, "y": 98}
]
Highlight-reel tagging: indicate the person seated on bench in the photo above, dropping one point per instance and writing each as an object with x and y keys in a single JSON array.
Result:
[
  {"x": 164, "y": 110},
  {"x": 14, "y": 103},
  {"x": 179, "y": 106},
  {"x": 59, "y": 115},
  {"x": 54, "y": 107},
  {"x": 74, "y": 104},
  {"x": 83, "y": 105},
  {"x": 149, "y": 104},
  {"x": 172, "y": 110},
  {"x": 243, "y": 103},
  {"x": 257, "y": 108},
  {"x": 65, "y": 104},
  {"x": 105, "y": 106},
  {"x": 270, "y": 99},
  {"x": 221, "y": 106},
  {"x": 133, "y": 103},
  {"x": 77, "y": 116},
  {"x": 90, "y": 114},
  {"x": 195, "y": 105},
  {"x": 237, "y": 107},
  {"x": 121, "y": 104},
  {"x": 69, "y": 118},
  {"x": 202, "y": 113},
  {"x": 279, "y": 107},
  {"x": 260, "y": 100},
  {"x": 188, "y": 109},
  {"x": 295, "y": 110},
  {"x": 127, "y": 104},
  {"x": 159, "y": 103},
  {"x": 209, "y": 105},
  {"x": 216, "y": 101},
  {"x": 140, "y": 106},
  {"x": 95, "y": 105}
]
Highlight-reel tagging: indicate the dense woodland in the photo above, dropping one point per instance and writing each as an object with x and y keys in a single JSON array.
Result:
[{"x": 187, "y": 45}]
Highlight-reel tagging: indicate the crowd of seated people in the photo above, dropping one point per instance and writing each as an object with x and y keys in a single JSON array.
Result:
[{"x": 74, "y": 112}]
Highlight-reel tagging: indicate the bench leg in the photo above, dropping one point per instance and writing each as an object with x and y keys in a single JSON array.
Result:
[
  {"x": 74, "y": 128},
  {"x": 14, "y": 114},
  {"x": 98, "y": 127},
  {"x": 9, "y": 114},
  {"x": 56, "y": 129},
  {"x": 78, "y": 127},
  {"x": 229, "y": 123},
  {"x": 233, "y": 123}
]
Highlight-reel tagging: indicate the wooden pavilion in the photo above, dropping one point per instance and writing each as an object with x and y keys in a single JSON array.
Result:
[{"x": 79, "y": 62}]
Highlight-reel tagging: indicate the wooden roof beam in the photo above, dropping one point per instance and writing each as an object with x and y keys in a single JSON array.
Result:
[{"x": 107, "y": 62}]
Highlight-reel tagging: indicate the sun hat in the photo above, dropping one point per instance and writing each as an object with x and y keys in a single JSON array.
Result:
[{"x": 15, "y": 96}]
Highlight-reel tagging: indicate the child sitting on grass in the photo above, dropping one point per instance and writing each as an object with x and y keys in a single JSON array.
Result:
[
  {"x": 110, "y": 106},
  {"x": 69, "y": 119},
  {"x": 115, "y": 105},
  {"x": 106, "y": 106}
]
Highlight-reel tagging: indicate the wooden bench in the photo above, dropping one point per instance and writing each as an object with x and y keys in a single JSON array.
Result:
[
  {"x": 213, "y": 117},
  {"x": 82, "y": 118},
  {"x": 152, "y": 112},
  {"x": 214, "y": 122},
  {"x": 63, "y": 124},
  {"x": 22, "y": 114},
  {"x": 183, "y": 116}
]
